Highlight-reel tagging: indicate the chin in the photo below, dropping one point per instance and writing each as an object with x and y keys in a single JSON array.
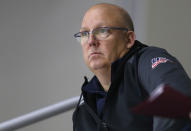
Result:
[{"x": 96, "y": 66}]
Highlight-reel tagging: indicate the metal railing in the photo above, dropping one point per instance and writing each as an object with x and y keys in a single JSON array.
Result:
[{"x": 39, "y": 115}]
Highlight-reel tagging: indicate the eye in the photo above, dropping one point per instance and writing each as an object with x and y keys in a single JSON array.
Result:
[
  {"x": 103, "y": 30},
  {"x": 84, "y": 34},
  {"x": 101, "y": 33}
]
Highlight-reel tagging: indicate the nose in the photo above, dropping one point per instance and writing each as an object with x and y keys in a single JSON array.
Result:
[{"x": 92, "y": 40}]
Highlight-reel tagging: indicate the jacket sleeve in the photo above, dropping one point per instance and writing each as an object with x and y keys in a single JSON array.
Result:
[{"x": 156, "y": 66}]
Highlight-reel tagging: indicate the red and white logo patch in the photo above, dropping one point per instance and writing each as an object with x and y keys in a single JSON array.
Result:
[{"x": 158, "y": 60}]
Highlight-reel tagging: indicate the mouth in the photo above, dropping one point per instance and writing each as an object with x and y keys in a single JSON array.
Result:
[{"x": 94, "y": 54}]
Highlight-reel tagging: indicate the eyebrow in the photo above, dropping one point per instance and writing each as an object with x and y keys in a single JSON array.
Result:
[
  {"x": 82, "y": 29},
  {"x": 97, "y": 26}
]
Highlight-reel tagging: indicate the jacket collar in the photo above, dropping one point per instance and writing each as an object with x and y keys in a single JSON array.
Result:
[{"x": 94, "y": 86}]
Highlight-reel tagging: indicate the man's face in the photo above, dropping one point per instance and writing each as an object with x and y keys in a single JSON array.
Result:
[{"x": 99, "y": 54}]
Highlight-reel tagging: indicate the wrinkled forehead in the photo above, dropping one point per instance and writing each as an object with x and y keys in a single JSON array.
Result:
[{"x": 101, "y": 16}]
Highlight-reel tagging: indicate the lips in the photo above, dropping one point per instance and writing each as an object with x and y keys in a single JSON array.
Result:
[{"x": 94, "y": 53}]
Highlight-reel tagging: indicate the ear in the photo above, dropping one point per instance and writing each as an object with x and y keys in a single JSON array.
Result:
[{"x": 130, "y": 39}]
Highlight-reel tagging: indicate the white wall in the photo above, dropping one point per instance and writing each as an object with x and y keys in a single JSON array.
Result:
[{"x": 41, "y": 63}]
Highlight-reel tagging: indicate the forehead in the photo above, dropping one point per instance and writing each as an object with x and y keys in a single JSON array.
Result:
[{"x": 101, "y": 16}]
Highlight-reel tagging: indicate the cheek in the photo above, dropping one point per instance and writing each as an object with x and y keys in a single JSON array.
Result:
[
  {"x": 110, "y": 50},
  {"x": 85, "y": 54},
  {"x": 113, "y": 50}
]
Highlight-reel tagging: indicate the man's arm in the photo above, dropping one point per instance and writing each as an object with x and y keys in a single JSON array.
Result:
[{"x": 156, "y": 67}]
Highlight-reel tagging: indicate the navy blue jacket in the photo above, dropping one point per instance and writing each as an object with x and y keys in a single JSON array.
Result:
[{"x": 133, "y": 78}]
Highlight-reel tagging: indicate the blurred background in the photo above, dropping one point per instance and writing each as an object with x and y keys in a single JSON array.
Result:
[{"x": 41, "y": 63}]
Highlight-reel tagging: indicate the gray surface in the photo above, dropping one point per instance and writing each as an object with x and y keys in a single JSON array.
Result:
[{"x": 41, "y": 63}]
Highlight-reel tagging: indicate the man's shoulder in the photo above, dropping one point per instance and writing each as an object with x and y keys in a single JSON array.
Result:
[
  {"x": 145, "y": 50},
  {"x": 151, "y": 50}
]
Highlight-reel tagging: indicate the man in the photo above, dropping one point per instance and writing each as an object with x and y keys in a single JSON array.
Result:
[{"x": 126, "y": 71}]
